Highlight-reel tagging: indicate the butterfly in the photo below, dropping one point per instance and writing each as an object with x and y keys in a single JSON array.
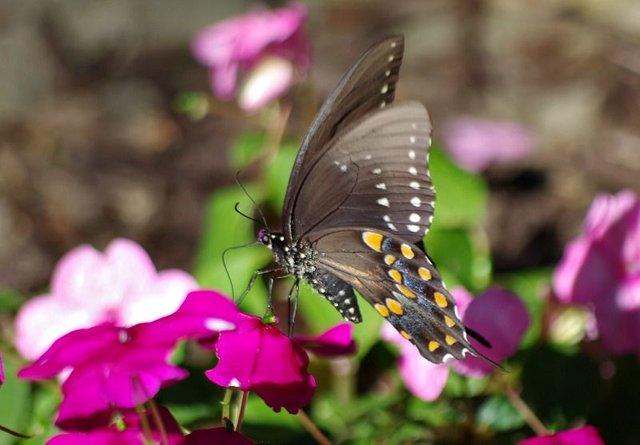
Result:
[{"x": 358, "y": 202}]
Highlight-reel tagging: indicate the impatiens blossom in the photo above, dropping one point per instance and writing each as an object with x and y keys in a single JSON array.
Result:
[
  {"x": 475, "y": 144},
  {"x": 134, "y": 431},
  {"x": 267, "y": 45},
  {"x": 601, "y": 270},
  {"x": 586, "y": 435},
  {"x": 122, "y": 367},
  {"x": 120, "y": 286},
  {"x": 426, "y": 380},
  {"x": 259, "y": 357}
]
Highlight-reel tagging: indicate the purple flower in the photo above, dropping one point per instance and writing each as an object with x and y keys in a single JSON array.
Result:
[
  {"x": 475, "y": 144},
  {"x": 601, "y": 270},
  {"x": 426, "y": 380},
  {"x": 112, "y": 366},
  {"x": 258, "y": 357},
  {"x": 218, "y": 436},
  {"x": 120, "y": 286},
  {"x": 586, "y": 435},
  {"x": 135, "y": 432},
  {"x": 269, "y": 45}
]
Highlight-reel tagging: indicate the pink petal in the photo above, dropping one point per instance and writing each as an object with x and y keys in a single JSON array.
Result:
[
  {"x": 501, "y": 318},
  {"x": 218, "y": 436},
  {"x": 475, "y": 144},
  {"x": 586, "y": 435},
  {"x": 267, "y": 81},
  {"x": 422, "y": 378},
  {"x": 100, "y": 437},
  {"x": 334, "y": 342},
  {"x": 606, "y": 210}
]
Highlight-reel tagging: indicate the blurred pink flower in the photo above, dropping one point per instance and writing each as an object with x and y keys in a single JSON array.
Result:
[
  {"x": 258, "y": 357},
  {"x": 475, "y": 144},
  {"x": 601, "y": 269},
  {"x": 586, "y": 435},
  {"x": 117, "y": 367},
  {"x": 268, "y": 44},
  {"x": 426, "y": 380},
  {"x": 120, "y": 286}
]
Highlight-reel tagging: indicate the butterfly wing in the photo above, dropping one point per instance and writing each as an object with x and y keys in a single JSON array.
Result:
[
  {"x": 369, "y": 84},
  {"x": 373, "y": 175},
  {"x": 400, "y": 282}
]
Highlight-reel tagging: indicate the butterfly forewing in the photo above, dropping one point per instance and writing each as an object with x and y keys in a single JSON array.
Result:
[
  {"x": 368, "y": 85},
  {"x": 400, "y": 282},
  {"x": 373, "y": 175}
]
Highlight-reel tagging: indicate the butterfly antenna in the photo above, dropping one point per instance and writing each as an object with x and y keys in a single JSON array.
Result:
[
  {"x": 226, "y": 268},
  {"x": 247, "y": 216},
  {"x": 255, "y": 204}
]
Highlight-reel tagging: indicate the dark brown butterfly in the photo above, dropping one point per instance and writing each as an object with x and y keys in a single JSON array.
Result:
[{"x": 359, "y": 201}]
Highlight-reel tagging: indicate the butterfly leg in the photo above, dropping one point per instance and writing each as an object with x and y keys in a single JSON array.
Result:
[
  {"x": 293, "y": 306},
  {"x": 252, "y": 281}
]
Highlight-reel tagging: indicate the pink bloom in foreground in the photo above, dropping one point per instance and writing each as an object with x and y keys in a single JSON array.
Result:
[
  {"x": 116, "y": 367},
  {"x": 601, "y": 269},
  {"x": 268, "y": 45},
  {"x": 586, "y": 435},
  {"x": 259, "y": 357},
  {"x": 475, "y": 144},
  {"x": 133, "y": 432},
  {"x": 120, "y": 286},
  {"x": 426, "y": 380}
]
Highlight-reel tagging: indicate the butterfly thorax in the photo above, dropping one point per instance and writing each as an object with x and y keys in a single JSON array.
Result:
[{"x": 298, "y": 259}]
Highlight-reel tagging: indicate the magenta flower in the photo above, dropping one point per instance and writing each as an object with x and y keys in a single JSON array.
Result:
[
  {"x": 258, "y": 357},
  {"x": 118, "y": 367},
  {"x": 135, "y": 432},
  {"x": 427, "y": 380},
  {"x": 601, "y": 269},
  {"x": 586, "y": 435},
  {"x": 268, "y": 45},
  {"x": 475, "y": 144},
  {"x": 120, "y": 286}
]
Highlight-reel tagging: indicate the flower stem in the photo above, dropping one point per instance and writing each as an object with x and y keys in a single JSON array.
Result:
[
  {"x": 527, "y": 414},
  {"x": 157, "y": 418},
  {"x": 226, "y": 405},
  {"x": 14, "y": 433},
  {"x": 312, "y": 429},
  {"x": 243, "y": 405}
]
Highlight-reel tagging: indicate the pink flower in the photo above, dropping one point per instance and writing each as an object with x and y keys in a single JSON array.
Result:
[
  {"x": 134, "y": 432},
  {"x": 426, "y": 380},
  {"x": 120, "y": 286},
  {"x": 601, "y": 269},
  {"x": 475, "y": 144},
  {"x": 586, "y": 435},
  {"x": 116, "y": 367},
  {"x": 258, "y": 357},
  {"x": 268, "y": 44}
]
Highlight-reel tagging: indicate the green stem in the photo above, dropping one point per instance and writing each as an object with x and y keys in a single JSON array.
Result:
[
  {"x": 527, "y": 414},
  {"x": 315, "y": 432},
  {"x": 243, "y": 405}
]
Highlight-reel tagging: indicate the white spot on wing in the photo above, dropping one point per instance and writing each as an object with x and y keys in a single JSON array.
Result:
[
  {"x": 415, "y": 201},
  {"x": 376, "y": 171},
  {"x": 390, "y": 59},
  {"x": 386, "y": 218},
  {"x": 413, "y": 170},
  {"x": 414, "y": 217},
  {"x": 384, "y": 88},
  {"x": 381, "y": 186},
  {"x": 343, "y": 168},
  {"x": 383, "y": 202},
  {"x": 412, "y": 154},
  {"x": 412, "y": 139},
  {"x": 413, "y": 228},
  {"x": 414, "y": 185},
  {"x": 447, "y": 358},
  {"x": 392, "y": 227}
]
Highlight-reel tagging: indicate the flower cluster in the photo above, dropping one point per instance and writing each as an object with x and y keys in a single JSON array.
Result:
[
  {"x": 601, "y": 270},
  {"x": 270, "y": 47},
  {"x": 112, "y": 368}
]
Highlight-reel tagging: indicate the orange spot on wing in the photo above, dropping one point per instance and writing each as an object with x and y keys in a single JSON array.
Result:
[{"x": 440, "y": 299}]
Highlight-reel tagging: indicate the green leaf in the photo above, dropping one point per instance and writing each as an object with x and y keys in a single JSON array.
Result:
[
  {"x": 225, "y": 228},
  {"x": 277, "y": 174},
  {"x": 10, "y": 300},
  {"x": 246, "y": 148},
  {"x": 461, "y": 196},
  {"x": 498, "y": 413},
  {"x": 15, "y": 400},
  {"x": 461, "y": 258}
]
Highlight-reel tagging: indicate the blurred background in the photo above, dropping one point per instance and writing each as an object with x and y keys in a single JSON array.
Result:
[{"x": 92, "y": 146}]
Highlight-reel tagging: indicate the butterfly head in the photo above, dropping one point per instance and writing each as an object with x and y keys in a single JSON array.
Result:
[{"x": 265, "y": 237}]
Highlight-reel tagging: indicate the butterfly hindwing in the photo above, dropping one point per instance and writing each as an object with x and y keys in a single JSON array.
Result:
[{"x": 400, "y": 282}]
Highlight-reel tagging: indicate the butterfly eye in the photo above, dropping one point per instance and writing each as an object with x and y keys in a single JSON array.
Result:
[{"x": 264, "y": 237}]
